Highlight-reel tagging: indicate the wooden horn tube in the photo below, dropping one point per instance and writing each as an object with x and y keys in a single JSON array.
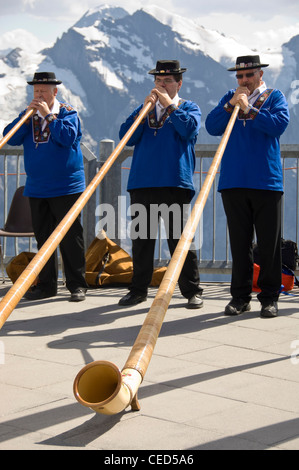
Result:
[
  {"x": 100, "y": 385},
  {"x": 30, "y": 273},
  {"x": 12, "y": 131}
]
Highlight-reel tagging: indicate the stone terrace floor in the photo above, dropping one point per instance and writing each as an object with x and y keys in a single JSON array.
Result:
[{"x": 213, "y": 383}]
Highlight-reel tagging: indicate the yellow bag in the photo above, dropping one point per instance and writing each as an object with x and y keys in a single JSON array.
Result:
[
  {"x": 107, "y": 263},
  {"x": 17, "y": 265}
]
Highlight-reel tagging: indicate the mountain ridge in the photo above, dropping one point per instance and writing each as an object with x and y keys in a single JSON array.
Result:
[{"x": 104, "y": 59}]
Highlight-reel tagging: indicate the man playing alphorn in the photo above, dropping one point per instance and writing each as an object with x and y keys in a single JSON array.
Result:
[
  {"x": 162, "y": 174},
  {"x": 251, "y": 183},
  {"x": 55, "y": 179}
]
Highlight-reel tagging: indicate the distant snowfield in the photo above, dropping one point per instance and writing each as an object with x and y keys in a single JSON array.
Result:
[
  {"x": 97, "y": 39},
  {"x": 210, "y": 42}
]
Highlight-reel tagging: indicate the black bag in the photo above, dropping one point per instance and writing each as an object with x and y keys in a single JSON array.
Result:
[{"x": 289, "y": 253}]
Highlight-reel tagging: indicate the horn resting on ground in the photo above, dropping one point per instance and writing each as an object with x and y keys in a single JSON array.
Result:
[
  {"x": 30, "y": 273},
  {"x": 100, "y": 385}
]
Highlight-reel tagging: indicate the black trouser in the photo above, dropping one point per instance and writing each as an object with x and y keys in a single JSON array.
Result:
[
  {"x": 143, "y": 248},
  {"x": 247, "y": 209},
  {"x": 46, "y": 215}
]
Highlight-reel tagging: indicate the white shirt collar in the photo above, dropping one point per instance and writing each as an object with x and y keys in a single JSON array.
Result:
[
  {"x": 56, "y": 107},
  {"x": 159, "y": 108},
  {"x": 257, "y": 92},
  {"x": 54, "y": 110}
]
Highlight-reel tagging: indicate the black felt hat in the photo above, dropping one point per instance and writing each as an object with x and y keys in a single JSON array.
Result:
[
  {"x": 44, "y": 78},
  {"x": 167, "y": 67},
  {"x": 247, "y": 62}
]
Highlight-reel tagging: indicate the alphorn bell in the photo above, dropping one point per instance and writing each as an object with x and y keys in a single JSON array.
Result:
[
  {"x": 100, "y": 385},
  {"x": 12, "y": 131},
  {"x": 30, "y": 273}
]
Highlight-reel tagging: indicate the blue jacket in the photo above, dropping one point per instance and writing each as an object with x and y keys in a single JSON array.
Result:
[
  {"x": 164, "y": 157},
  {"x": 54, "y": 167},
  {"x": 252, "y": 155}
]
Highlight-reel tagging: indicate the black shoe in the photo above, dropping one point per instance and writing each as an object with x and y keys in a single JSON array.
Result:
[
  {"x": 78, "y": 294},
  {"x": 237, "y": 306},
  {"x": 195, "y": 302},
  {"x": 269, "y": 309},
  {"x": 37, "y": 293},
  {"x": 132, "y": 299}
]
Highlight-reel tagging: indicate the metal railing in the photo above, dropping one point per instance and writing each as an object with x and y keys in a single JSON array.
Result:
[
  {"x": 212, "y": 238},
  {"x": 211, "y": 241}
]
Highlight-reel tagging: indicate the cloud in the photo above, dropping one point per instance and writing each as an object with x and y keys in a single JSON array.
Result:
[
  {"x": 35, "y": 8},
  {"x": 275, "y": 36},
  {"x": 256, "y": 34},
  {"x": 255, "y": 23},
  {"x": 60, "y": 9},
  {"x": 8, "y": 8},
  {"x": 253, "y": 9}
]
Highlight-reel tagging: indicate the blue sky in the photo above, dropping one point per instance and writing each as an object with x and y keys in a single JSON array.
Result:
[{"x": 255, "y": 23}]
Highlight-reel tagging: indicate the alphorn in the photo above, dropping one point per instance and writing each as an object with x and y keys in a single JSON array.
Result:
[
  {"x": 100, "y": 385},
  {"x": 30, "y": 273},
  {"x": 12, "y": 131}
]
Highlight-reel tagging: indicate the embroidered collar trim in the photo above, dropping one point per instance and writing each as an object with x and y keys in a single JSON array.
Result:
[
  {"x": 257, "y": 106},
  {"x": 41, "y": 135},
  {"x": 152, "y": 119}
]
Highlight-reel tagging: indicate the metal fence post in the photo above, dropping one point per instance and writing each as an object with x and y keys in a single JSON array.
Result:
[
  {"x": 88, "y": 214},
  {"x": 110, "y": 187}
]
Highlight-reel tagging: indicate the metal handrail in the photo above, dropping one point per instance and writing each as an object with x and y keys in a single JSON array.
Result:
[{"x": 12, "y": 175}]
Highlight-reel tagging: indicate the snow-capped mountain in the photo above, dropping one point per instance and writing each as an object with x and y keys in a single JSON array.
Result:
[{"x": 104, "y": 59}]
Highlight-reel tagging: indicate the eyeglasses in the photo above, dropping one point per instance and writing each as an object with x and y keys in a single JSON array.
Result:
[
  {"x": 239, "y": 76},
  {"x": 167, "y": 81}
]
